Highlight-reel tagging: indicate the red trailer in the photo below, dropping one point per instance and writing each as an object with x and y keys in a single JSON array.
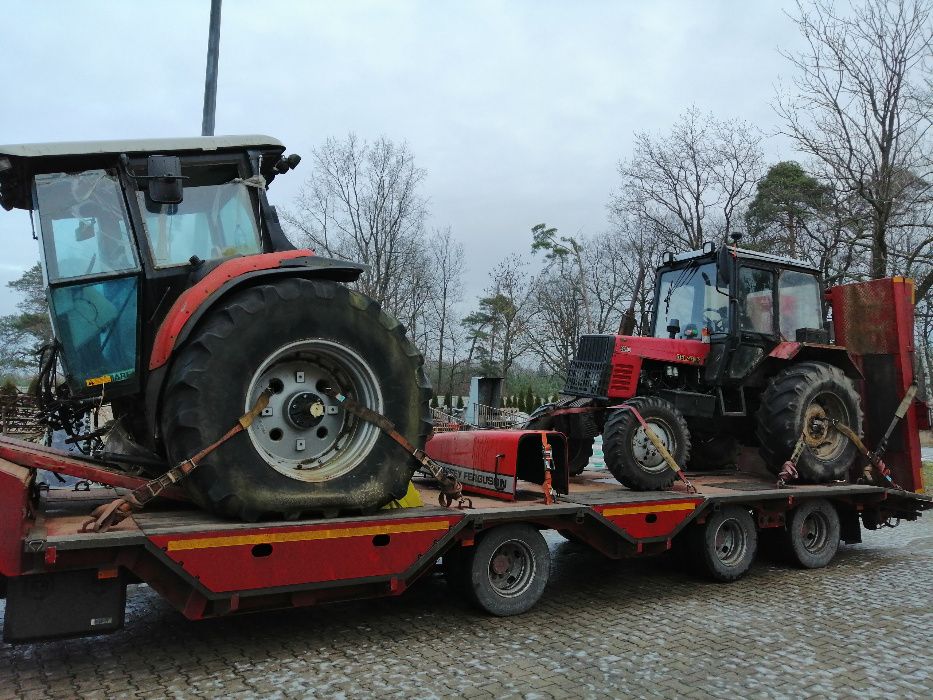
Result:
[{"x": 59, "y": 580}]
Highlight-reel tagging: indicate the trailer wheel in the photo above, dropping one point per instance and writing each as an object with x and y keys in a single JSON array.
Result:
[
  {"x": 812, "y": 536},
  {"x": 632, "y": 457},
  {"x": 507, "y": 570},
  {"x": 798, "y": 400},
  {"x": 725, "y": 546}
]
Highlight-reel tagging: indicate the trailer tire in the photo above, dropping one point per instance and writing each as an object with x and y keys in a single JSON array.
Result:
[
  {"x": 302, "y": 334},
  {"x": 507, "y": 570},
  {"x": 724, "y": 547},
  {"x": 631, "y": 457},
  {"x": 801, "y": 390},
  {"x": 811, "y": 539}
]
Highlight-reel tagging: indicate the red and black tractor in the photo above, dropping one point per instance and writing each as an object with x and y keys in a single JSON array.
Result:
[
  {"x": 176, "y": 298},
  {"x": 739, "y": 352}
]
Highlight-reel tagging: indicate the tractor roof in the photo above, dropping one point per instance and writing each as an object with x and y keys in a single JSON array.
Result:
[
  {"x": 747, "y": 254},
  {"x": 159, "y": 146},
  {"x": 19, "y": 162}
]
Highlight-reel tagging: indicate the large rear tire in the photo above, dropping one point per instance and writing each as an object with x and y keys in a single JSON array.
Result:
[
  {"x": 306, "y": 455},
  {"x": 802, "y": 396},
  {"x": 630, "y": 455}
]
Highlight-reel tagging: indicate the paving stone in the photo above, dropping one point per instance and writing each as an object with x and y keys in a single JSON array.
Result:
[{"x": 639, "y": 628}]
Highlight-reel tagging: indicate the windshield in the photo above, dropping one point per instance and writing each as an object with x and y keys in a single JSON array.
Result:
[
  {"x": 84, "y": 225},
  {"x": 213, "y": 221},
  {"x": 688, "y": 299}
]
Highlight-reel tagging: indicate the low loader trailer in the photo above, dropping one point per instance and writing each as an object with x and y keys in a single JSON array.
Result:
[
  {"x": 62, "y": 581},
  {"x": 65, "y": 573}
]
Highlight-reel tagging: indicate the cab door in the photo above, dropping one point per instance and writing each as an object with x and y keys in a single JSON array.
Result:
[{"x": 92, "y": 268}]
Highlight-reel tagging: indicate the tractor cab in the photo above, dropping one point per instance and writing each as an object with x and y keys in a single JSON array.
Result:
[
  {"x": 737, "y": 293},
  {"x": 743, "y": 303},
  {"x": 126, "y": 227}
]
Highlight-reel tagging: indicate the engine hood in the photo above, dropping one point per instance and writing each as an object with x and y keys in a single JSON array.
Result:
[{"x": 688, "y": 352}]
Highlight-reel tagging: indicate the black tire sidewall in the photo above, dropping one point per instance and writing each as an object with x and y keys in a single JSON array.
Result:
[
  {"x": 481, "y": 591},
  {"x": 781, "y": 421},
  {"x": 224, "y": 353},
  {"x": 705, "y": 544},
  {"x": 621, "y": 426},
  {"x": 795, "y": 548}
]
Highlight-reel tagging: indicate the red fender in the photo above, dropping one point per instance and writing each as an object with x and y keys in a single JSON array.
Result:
[{"x": 191, "y": 299}]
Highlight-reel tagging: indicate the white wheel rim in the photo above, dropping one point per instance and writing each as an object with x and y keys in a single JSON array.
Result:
[{"x": 304, "y": 434}]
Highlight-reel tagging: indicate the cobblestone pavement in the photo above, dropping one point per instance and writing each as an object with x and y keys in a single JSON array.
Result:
[{"x": 861, "y": 627}]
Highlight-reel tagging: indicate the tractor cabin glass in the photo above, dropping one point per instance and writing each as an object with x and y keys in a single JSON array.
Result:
[
  {"x": 215, "y": 220},
  {"x": 691, "y": 301},
  {"x": 90, "y": 263}
]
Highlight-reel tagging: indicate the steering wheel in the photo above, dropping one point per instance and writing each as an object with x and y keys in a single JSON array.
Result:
[{"x": 718, "y": 324}]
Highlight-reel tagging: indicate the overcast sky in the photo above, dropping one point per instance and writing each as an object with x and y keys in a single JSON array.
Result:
[{"x": 519, "y": 111}]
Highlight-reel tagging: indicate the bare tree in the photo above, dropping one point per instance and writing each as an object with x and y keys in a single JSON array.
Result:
[
  {"x": 686, "y": 186},
  {"x": 362, "y": 203},
  {"x": 445, "y": 257},
  {"x": 861, "y": 106}
]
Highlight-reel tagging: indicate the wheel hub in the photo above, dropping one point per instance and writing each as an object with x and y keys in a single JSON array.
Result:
[
  {"x": 511, "y": 568},
  {"x": 644, "y": 451},
  {"x": 730, "y": 542},
  {"x": 815, "y": 426},
  {"x": 305, "y": 410}
]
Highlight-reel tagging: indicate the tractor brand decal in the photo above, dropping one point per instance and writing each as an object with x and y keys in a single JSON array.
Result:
[
  {"x": 483, "y": 480},
  {"x": 656, "y": 508},
  {"x": 304, "y": 535},
  {"x": 107, "y": 378},
  {"x": 692, "y": 359},
  {"x": 625, "y": 348}
]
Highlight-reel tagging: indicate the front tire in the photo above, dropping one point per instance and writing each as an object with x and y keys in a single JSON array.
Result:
[
  {"x": 630, "y": 455},
  {"x": 799, "y": 399},
  {"x": 306, "y": 455}
]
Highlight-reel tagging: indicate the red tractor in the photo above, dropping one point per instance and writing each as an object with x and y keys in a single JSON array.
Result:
[
  {"x": 176, "y": 299},
  {"x": 739, "y": 352}
]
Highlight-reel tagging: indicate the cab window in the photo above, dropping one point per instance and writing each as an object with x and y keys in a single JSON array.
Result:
[
  {"x": 756, "y": 300},
  {"x": 801, "y": 307},
  {"x": 84, "y": 224},
  {"x": 215, "y": 219}
]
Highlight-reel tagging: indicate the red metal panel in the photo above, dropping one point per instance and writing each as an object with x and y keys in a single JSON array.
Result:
[
  {"x": 877, "y": 318},
  {"x": 14, "y": 516},
  {"x": 254, "y": 558},
  {"x": 490, "y": 462},
  {"x": 689, "y": 352},
  {"x": 489, "y": 459},
  {"x": 191, "y": 299},
  {"x": 649, "y": 519}
]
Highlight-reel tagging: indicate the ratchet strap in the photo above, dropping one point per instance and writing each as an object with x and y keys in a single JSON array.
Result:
[
  {"x": 106, "y": 516},
  {"x": 451, "y": 488}
]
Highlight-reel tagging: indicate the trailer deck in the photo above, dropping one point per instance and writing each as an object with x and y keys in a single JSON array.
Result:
[{"x": 62, "y": 581}]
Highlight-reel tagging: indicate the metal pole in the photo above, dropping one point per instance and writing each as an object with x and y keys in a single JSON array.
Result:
[{"x": 210, "y": 79}]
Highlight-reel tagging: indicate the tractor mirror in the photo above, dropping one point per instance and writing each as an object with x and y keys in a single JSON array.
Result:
[
  {"x": 84, "y": 231},
  {"x": 724, "y": 265},
  {"x": 165, "y": 179}
]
